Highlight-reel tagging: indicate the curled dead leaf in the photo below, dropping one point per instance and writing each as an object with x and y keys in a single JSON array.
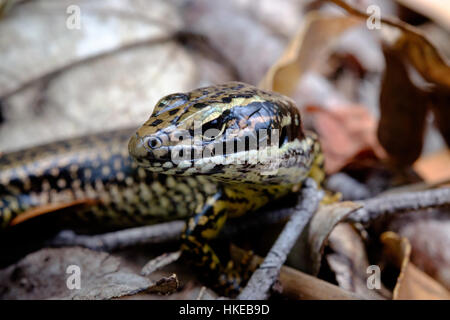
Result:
[
  {"x": 349, "y": 262},
  {"x": 412, "y": 47},
  {"x": 412, "y": 283},
  {"x": 298, "y": 285},
  {"x": 404, "y": 105},
  {"x": 43, "y": 275},
  {"x": 306, "y": 254},
  {"x": 165, "y": 285},
  {"x": 423, "y": 56},
  {"x": 403, "y": 108},
  {"x": 311, "y": 42},
  {"x": 430, "y": 240},
  {"x": 440, "y": 105},
  {"x": 437, "y": 10}
]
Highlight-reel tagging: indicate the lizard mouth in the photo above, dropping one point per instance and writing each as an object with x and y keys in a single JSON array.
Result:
[{"x": 157, "y": 154}]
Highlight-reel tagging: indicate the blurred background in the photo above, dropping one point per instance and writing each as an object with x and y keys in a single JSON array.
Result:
[
  {"x": 75, "y": 67},
  {"x": 379, "y": 105}
]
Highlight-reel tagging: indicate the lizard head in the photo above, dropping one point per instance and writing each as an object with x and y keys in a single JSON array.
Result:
[{"x": 223, "y": 130}]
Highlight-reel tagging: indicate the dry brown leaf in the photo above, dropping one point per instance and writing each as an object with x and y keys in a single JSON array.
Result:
[
  {"x": 424, "y": 57},
  {"x": 349, "y": 262},
  {"x": 247, "y": 43},
  {"x": 298, "y": 285},
  {"x": 306, "y": 255},
  {"x": 414, "y": 48},
  {"x": 434, "y": 168},
  {"x": 430, "y": 240},
  {"x": 42, "y": 275},
  {"x": 61, "y": 83},
  {"x": 414, "y": 45},
  {"x": 403, "y": 109},
  {"x": 412, "y": 283},
  {"x": 417, "y": 285},
  {"x": 165, "y": 285},
  {"x": 437, "y": 10},
  {"x": 310, "y": 43},
  {"x": 440, "y": 105},
  {"x": 345, "y": 133},
  {"x": 401, "y": 130},
  {"x": 54, "y": 46}
]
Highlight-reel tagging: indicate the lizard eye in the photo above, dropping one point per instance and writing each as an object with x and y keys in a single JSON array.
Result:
[
  {"x": 154, "y": 142},
  {"x": 213, "y": 129}
]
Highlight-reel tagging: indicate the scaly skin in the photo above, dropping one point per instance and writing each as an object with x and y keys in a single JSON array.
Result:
[
  {"x": 96, "y": 167},
  {"x": 235, "y": 111},
  {"x": 207, "y": 187}
]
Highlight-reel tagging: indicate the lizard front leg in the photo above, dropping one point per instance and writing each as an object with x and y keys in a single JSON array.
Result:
[{"x": 201, "y": 228}]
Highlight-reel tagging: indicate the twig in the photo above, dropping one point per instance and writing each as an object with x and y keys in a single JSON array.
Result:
[
  {"x": 296, "y": 284},
  {"x": 204, "y": 46},
  {"x": 51, "y": 74},
  {"x": 170, "y": 231},
  {"x": 265, "y": 276},
  {"x": 163, "y": 232},
  {"x": 390, "y": 204},
  {"x": 417, "y": 186},
  {"x": 160, "y": 262},
  {"x": 350, "y": 188},
  {"x": 299, "y": 285},
  {"x": 391, "y": 21},
  {"x": 201, "y": 293},
  {"x": 178, "y": 36},
  {"x": 158, "y": 233}
]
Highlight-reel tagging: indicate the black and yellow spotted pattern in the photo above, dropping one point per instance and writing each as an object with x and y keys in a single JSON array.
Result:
[
  {"x": 99, "y": 168},
  {"x": 207, "y": 186},
  {"x": 237, "y": 112}
]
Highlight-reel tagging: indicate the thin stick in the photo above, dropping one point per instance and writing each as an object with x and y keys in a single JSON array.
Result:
[
  {"x": 265, "y": 276},
  {"x": 163, "y": 232},
  {"x": 297, "y": 285},
  {"x": 350, "y": 188},
  {"x": 391, "y": 21},
  {"x": 160, "y": 262},
  {"x": 52, "y": 73},
  {"x": 394, "y": 203},
  {"x": 170, "y": 231},
  {"x": 158, "y": 233},
  {"x": 301, "y": 286}
]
